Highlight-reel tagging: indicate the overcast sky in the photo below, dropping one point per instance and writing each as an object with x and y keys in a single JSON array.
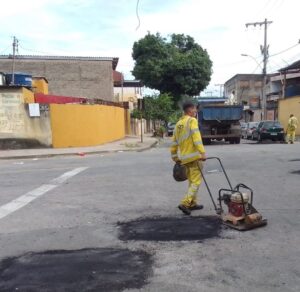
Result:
[{"x": 109, "y": 28}]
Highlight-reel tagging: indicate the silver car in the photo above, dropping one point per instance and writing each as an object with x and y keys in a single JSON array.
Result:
[
  {"x": 244, "y": 127},
  {"x": 252, "y": 126}
]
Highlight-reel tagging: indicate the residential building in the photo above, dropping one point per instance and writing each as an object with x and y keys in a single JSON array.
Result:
[
  {"x": 246, "y": 89},
  {"x": 282, "y": 85},
  {"x": 126, "y": 90},
  {"x": 90, "y": 77}
]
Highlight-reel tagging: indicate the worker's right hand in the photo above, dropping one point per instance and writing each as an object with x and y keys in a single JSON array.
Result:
[{"x": 203, "y": 157}]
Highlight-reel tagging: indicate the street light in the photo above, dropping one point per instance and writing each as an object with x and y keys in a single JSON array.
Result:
[{"x": 258, "y": 64}]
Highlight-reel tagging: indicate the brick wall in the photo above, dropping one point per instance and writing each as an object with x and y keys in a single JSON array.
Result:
[{"x": 80, "y": 78}]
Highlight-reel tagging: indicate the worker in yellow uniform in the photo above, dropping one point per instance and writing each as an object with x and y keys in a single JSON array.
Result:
[
  {"x": 187, "y": 149},
  {"x": 291, "y": 129}
]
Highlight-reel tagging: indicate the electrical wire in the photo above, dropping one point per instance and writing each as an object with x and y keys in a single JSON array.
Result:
[
  {"x": 262, "y": 11},
  {"x": 283, "y": 51},
  {"x": 34, "y": 51},
  {"x": 3, "y": 51},
  {"x": 258, "y": 66},
  {"x": 275, "y": 66},
  {"x": 137, "y": 14}
]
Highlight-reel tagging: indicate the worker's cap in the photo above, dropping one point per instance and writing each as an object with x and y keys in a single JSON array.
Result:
[{"x": 187, "y": 104}]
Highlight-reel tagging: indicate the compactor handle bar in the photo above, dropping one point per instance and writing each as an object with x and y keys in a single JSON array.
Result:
[
  {"x": 217, "y": 209},
  {"x": 223, "y": 169},
  {"x": 232, "y": 190}
]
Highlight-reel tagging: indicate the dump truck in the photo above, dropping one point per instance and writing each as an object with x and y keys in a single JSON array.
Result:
[{"x": 218, "y": 121}]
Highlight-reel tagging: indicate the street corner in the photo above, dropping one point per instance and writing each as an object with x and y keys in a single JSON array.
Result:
[{"x": 96, "y": 269}]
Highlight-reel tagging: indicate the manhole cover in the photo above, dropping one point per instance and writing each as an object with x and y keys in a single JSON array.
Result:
[
  {"x": 78, "y": 270},
  {"x": 170, "y": 228}
]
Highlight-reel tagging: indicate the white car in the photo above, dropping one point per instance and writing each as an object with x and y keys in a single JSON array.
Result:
[{"x": 170, "y": 128}]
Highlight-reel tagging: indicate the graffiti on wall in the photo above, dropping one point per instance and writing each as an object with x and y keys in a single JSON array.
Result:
[{"x": 11, "y": 113}]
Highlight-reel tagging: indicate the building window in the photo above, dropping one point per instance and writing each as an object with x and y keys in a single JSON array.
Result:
[{"x": 244, "y": 84}]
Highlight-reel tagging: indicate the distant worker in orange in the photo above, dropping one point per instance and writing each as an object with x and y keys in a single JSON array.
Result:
[{"x": 291, "y": 129}]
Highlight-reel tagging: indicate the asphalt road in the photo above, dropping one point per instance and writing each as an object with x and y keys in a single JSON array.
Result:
[{"x": 110, "y": 223}]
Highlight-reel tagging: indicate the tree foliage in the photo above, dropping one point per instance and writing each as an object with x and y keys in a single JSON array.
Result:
[
  {"x": 178, "y": 65},
  {"x": 157, "y": 107}
]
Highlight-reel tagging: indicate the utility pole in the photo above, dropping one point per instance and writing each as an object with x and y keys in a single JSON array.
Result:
[
  {"x": 221, "y": 89},
  {"x": 15, "y": 45},
  {"x": 265, "y": 52},
  {"x": 122, "y": 86}
]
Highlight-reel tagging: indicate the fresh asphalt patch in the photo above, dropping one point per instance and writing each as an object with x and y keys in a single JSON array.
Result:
[
  {"x": 103, "y": 269},
  {"x": 295, "y": 172},
  {"x": 171, "y": 228}
]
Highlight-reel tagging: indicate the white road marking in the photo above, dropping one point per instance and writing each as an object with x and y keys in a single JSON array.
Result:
[
  {"x": 67, "y": 175},
  {"x": 25, "y": 199}
]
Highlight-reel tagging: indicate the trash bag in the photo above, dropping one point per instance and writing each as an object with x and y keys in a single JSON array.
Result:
[{"x": 179, "y": 172}]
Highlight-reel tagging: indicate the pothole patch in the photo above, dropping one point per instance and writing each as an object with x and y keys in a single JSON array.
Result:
[
  {"x": 104, "y": 269},
  {"x": 170, "y": 228},
  {"x": 295, "y": 172}
]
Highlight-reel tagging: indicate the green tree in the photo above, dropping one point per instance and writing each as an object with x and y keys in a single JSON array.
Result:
[
  {"x": 177, "y": 66},
  {"x": 157, "y": 108}
]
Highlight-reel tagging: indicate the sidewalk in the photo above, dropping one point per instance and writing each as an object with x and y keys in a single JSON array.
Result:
[{"x": 130, "y": 143}]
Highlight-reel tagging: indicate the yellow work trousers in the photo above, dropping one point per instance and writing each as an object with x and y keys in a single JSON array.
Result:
[
  {"x": 194, "y": 178},
  {"x": 290, "y": 136}
]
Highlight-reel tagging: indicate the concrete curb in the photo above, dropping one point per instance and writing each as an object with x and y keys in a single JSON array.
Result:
[{"x": 49, "y": 155}]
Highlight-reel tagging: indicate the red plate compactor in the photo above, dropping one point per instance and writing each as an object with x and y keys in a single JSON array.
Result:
[{"x": 241, "y": 214}]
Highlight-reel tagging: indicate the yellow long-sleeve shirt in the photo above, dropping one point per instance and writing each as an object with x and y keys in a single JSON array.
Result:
[
  {"x": 293, "y": 123},
  {"x": 187, "y": 143}
]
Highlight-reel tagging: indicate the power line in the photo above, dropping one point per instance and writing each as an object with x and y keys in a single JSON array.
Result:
[
  {"x": 137, "y": 14},
  {"x": 235, "y": 63},
  {"x": 265, "y": 53},
  {"x": 265, "y": 47},
  {"x": 34, "y": 51},
  {"x": 283, "y": 51},
  {"x": 258, "y": 66},
  {"x": 3, "y": 51},
  {"x": 262, "y": 11}
]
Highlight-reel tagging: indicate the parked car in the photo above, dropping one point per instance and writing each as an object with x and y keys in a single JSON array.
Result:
[
  {"x": 244, "y": 127},
  {"x": 170, "y": 128},
  {"x": 271, "y": 130},
  {"x": 251, "y": 127}
]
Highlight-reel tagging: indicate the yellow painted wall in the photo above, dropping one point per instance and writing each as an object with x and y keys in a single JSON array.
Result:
[
  {"x": 127, "y": 122},
  {"x": 40, "y": 85},
  {"x": 286, "y": 107},
  {"x": 28, "y": 96},
  {"x": 75, "y": 125}
]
